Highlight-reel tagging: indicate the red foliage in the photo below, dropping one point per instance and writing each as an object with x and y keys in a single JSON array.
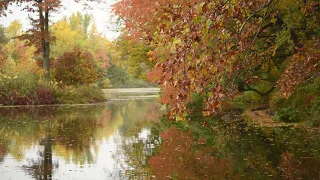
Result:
[
  {"x": 211, "y": 48},
  {"x": 186, "y": 61},
  {"x": 41, "y": 96},
  {"x": 76, "y": 67},
  {"x": 303, "y": 66},
  {"x": 292, "y": 169},
  {"x": 45, "y": 95},
  {"x": 3, "y": 151},
  {"x": 178, "y": 158},
  {"x": 103, "y": 58}
]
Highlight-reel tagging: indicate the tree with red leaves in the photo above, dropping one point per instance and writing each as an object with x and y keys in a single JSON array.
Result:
[
  {"x": 218, "y": 49},
  {"x": 39, "y": 34}
]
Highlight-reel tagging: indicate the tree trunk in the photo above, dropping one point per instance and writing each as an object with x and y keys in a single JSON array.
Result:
[
  {"x": 44, "y": 27},
  {"x": 47, "y": 162}
]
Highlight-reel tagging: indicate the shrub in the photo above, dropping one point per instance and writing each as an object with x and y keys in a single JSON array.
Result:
[
  {"x": 303, "y": 105},
  {"x": 18, "y": 89},
  {"x": 76, "y": 67},
  {"x": 105, "y": 83},
  {"x": 79, "y": 95},
  {"x": 288, "y": 114},
  {"x": 45, "y": 95}
]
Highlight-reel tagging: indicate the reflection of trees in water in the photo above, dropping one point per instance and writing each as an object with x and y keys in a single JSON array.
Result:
[
  {"x": 3, "y": 150},
  {"x": 42, "y": 168},
  {"x": 18, "y": 132},
  {"x": 182, "y": 157},
  {"x": 71, "y": 130},
  {"x": 136, "y": 115},
  {"x": 75, "y": 133},
  {"x": 132, "y": 156},
  {"x": 251, "y": 153},
  {"x": 262, "y": 152},
  {"x": 133, "y": 150}
]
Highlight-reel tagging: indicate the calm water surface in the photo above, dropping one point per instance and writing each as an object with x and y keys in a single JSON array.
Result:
[
  {"x": 126, "y": 140},
  {"x": 108, "y": 141}
]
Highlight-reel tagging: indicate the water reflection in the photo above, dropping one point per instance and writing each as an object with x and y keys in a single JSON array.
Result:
[
  {"x": 125, "y": 140},
  {"x": 76, "y": 142},
  {"x": 236, "y": 151}
]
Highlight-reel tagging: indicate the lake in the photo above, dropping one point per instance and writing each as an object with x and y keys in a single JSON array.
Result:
[{"x": 126, "y": 138}]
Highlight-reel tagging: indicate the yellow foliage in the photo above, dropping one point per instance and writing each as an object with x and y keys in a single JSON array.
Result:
[{"x": 66, "y": 38}]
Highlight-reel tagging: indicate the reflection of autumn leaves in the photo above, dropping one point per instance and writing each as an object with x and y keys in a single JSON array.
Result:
[
  {"x": 291, "y": 168},
  {"x": 178, "y": 157},
  {"x": 153, "y": 113},
  {"x": 2, "y": 151}
]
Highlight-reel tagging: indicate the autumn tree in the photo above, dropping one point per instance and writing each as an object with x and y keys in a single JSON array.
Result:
[
  {"x": 14, "y": 29},
  {"x": 66, "y": 38},
  {"x": 81, "y": 22},
  {"x": 76, "y": 67},
  {"x": 219, "y": 48},
  {"x": 133, "y": 57},
  {"x": 40, "y": 34}
]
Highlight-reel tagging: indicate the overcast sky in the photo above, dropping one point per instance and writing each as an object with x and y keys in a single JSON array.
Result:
[{"x": 101, "y": 12}]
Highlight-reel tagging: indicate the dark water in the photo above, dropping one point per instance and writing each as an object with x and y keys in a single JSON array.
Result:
[{"x": 127, "y": 140}]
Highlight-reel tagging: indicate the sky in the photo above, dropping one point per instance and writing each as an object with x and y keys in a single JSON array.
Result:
[{"x": 101, "y": 12}]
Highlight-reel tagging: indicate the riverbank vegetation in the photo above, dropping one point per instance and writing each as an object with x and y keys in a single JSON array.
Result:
[
  {"x": 222, "y": 55},
  {"x": 82, "y": 61},
  {"x": 208, "y": 57}
]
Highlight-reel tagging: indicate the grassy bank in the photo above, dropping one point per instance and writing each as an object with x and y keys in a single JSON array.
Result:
[{"x": 28, "y": 90}]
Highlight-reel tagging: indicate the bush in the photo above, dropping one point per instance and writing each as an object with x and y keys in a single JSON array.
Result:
[
  {"x": 103, "y": 84},
  {"x": 288, "y": 114},
  {"x": 120, "y": 78},
  {"x": 76, "y": 67},
  {"x": 45, "y": 95},
  {"x": 18, "y": 89},
  {"x": 303, "y": 105},
  {"x": 79, "y": 95}
]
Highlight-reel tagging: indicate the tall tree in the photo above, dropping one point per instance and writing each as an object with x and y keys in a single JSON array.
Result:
[
  {"x": 14, "y": 29},
  {"x": 41, "y": 25},
  {"x": 40, "y": 34},
  {"x": 218, "y": 48}
]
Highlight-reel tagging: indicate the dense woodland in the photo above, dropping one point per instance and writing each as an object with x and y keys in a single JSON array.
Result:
[{"x": 207, "y": 56}]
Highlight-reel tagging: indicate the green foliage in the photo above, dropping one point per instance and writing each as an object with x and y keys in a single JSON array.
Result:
[
  {"x": 196, "y": 105},
  {"x": 24, "y": 89},
  {"x": 120, "y": 78},
  {"x": 288, "y": 114},
  {"x": 222, "y": 48},
  {"x": 133, "y": 57},
  {"x": 13, "y": 87},
  {"x": 3, "y": 38},
  {"x": 104, "y": 83},
  {"x": 79, "y": 95},
  {"x": 303, "y": 105}
]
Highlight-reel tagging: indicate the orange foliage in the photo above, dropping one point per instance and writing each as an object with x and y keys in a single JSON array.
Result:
[
  {"x": 210, "y": 47},
  {"x": 303, "y": 66},
  {"x": 178, "y": 158},
  {"x": 103, "y": 59},
  {"x": 76, "y": 67},
  {"x": 292, "y": 169}
]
